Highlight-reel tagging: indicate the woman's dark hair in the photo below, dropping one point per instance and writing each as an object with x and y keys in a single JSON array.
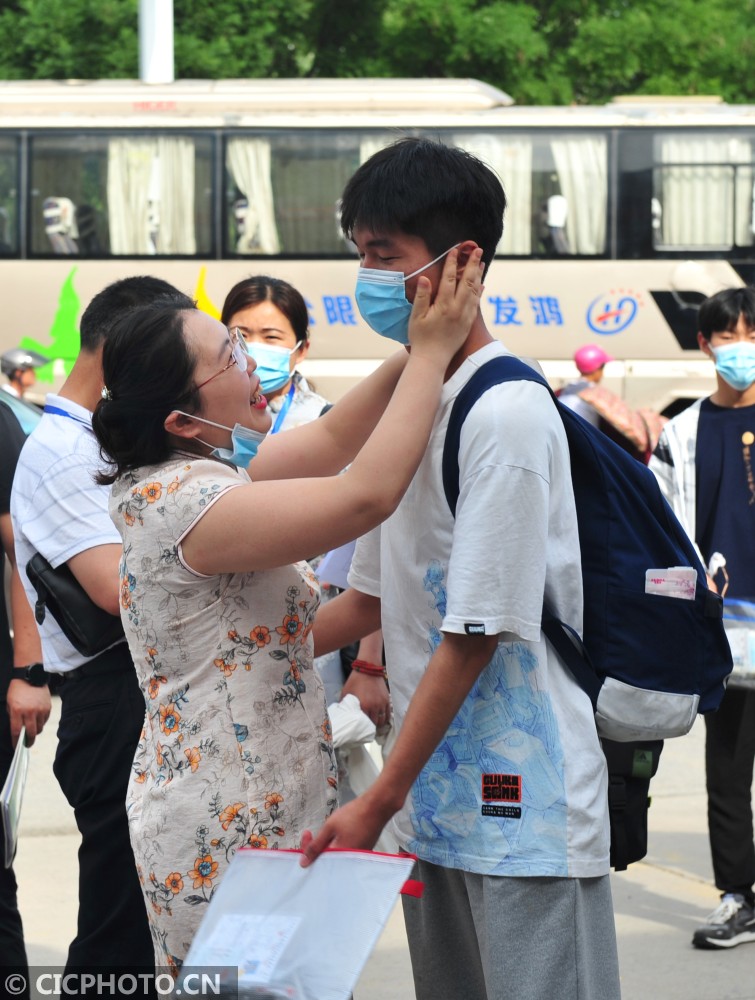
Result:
[
  {"x": 263, "y": 288},
  {"x": 148, "y": 371}
]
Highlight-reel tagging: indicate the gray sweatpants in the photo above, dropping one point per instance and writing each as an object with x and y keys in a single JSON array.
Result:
[{"x": 489, "y": 937}]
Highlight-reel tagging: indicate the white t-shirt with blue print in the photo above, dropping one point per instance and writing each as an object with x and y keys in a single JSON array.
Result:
[{"x": 518, "y": 785}]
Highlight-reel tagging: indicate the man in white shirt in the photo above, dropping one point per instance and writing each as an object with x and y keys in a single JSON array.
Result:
[
  {"x": 58, "y": 510},
  {"x": 497, "y": 781}
]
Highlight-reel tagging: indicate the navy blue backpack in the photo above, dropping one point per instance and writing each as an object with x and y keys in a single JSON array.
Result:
[{"x": 648, "y": 662}]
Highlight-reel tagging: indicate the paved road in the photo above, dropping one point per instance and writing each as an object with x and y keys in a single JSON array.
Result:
[{"x": 658, "y": 902}]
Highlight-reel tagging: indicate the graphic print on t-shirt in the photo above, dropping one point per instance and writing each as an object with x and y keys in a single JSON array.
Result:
[
  {"x": 498, "y": 789},
  {"x": 505, "y": 731}
]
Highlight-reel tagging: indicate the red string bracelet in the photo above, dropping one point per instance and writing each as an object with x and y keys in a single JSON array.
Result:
[{"x": 370, "y": 669}]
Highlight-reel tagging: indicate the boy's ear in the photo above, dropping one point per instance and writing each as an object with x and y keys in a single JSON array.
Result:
[
  {"x": 704, "y": 345},
  {"x": 180, "y": 425},
  {"x": 465, "y": 249}
]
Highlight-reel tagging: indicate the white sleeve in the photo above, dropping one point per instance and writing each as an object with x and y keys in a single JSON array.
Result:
[
  {"x": 515, "y": 514},
  {"x": 364, "y": 574},
  {"x": 68, "y": 512}
]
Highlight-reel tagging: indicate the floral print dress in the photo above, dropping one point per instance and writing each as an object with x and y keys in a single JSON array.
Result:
[{"x": 236, "y": 749}]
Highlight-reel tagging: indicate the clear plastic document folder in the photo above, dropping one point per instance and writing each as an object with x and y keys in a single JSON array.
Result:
[
  {"x": 11, "y": 797},
  {"x": 298, "y": 933}
]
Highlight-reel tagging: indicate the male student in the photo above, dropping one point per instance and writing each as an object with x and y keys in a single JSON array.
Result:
[
  {"x": 496, "y": 781},
  {"x": 704, "y": 464}
]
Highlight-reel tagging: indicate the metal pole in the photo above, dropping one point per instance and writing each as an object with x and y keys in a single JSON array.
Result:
[{"x": 156, "y": 41}]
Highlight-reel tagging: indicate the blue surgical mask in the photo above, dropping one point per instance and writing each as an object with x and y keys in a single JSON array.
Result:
[
  {"x": 273, "y": 364},
  {"x": 382, "y": 302},
  {"x": 245, "y": 441},
  {"x": 735, "y": 363}
]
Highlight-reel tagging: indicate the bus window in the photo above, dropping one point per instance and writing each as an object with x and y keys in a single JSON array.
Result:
[
  {"x": 121, "y": 195},
  {"x": 556, "y": 189},
  {"x": 703, "y": 191},
  {"x": 8, "y": 196},
  {"x": 282, "y": 189}
]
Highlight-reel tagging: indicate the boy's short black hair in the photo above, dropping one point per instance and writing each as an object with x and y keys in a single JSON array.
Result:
[
  {"x": 115, "y": 299},
  {"x": 722, "y": 311},
  {"x": 424, "y": 188}
]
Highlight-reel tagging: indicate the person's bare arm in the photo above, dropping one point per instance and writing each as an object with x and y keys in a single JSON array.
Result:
[
  {"x": 372, "y": 692},
  {"x": 27, "y": 705},
  {"x": 261, "y": 525},
  {"x": 345, "y": 619},
  {"x": 454, "y": 667},
  {"x": 96, "y": 569},
  {"x": 325, "y": 446}
]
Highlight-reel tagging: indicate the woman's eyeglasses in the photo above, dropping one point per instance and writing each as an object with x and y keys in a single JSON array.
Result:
[{"x": 239, "y": 356}]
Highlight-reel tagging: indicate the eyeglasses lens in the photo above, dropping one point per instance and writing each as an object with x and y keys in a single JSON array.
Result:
[{"x": 239, "y": 352}]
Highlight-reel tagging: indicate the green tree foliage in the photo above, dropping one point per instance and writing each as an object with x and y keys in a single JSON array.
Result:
[
  {"x": 686, "y": 48},
  {"x": 232, "y": 39},
  {"x": 68, "y": 39},
  {"x": 548, "y": 51}
]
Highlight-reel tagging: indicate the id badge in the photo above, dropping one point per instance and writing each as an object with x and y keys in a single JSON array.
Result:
[{"x": 676, "y": 581}]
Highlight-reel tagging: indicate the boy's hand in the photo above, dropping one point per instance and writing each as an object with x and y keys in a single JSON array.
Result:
[
  {"x": 439, "y": 327},
  {"x": 355, "y": 826}
]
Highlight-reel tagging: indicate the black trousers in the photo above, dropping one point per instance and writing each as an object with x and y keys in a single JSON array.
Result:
[
  {"x": 101, "y": 719},
  {"x": 12, "y": 950},
  {"x": 729, "y": 758}
]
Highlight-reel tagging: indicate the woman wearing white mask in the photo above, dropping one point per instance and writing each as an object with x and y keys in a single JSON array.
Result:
[
  {"x": 272, "y": 317},
  {"x": 216, "y": 604}
]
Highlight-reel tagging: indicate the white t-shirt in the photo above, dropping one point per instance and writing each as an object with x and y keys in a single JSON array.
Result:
[
  {"x": 518, "y": 785},
  {"x": 57, "y": 509}
]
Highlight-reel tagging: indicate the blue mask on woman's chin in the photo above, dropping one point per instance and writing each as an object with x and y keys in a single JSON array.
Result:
[
  {"x": 245, "y": 444},
  {"x": 382, "y": 302},
  {"x": 245, "y": 441}
]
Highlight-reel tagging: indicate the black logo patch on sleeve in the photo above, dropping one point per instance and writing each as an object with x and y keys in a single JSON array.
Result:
[{"x": 474, "y": 628}]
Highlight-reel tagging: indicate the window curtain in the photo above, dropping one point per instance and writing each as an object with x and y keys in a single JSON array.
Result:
[
  {"x": 249, "y": 163},
  {"x": 128, "y": 182},
  {"x": 705, "y": 201},
  {"x": 150, "y": 193},
  {"x": 582, "y": 170},
  {"x": 176, "y": 196},
  {"x": 511, "y": 159}
]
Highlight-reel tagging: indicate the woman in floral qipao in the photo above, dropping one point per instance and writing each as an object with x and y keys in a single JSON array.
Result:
[{"x": 237, "y": 750}]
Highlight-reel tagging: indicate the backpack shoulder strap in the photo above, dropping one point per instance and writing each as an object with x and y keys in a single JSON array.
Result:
[{"x": 504, "y": 368}]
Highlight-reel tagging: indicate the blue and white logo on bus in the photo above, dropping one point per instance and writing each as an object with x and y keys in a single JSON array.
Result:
[{"x": 613, "y": 312}]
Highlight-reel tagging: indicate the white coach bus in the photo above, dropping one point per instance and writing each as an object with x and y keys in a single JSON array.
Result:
[{"x": 621, "y": 218}]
